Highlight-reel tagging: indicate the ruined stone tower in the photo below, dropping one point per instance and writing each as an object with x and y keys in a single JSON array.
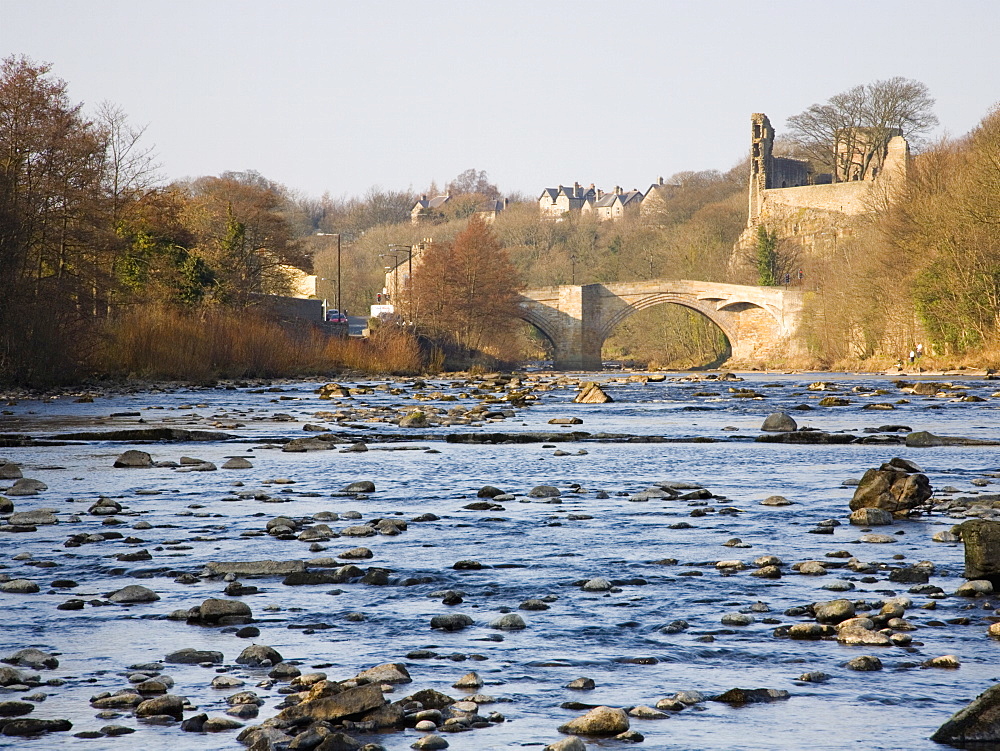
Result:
[{"x": 761, "y": 146}]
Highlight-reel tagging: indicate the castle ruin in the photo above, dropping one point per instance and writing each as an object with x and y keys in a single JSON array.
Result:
[{"x": 788, "y": 197}]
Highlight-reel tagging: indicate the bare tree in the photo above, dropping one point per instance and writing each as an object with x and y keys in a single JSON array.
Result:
[
  {"x": 473, "y": 181},
  {"x": 847, "y": 134}
]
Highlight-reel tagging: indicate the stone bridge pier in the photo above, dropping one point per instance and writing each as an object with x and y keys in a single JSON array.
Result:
[{"x": 760, "y": 323}]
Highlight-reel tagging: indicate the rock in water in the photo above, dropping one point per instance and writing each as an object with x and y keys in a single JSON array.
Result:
[
  {"x": 133, "y": 593},
  {"x": 892, "y": 488},
  {"x": 871, "y": 517},
  {"x": 982, "y": 549},
  {"x": 979, "y": 722},
  {"x": 591, "y": 393},
  {"x": 133, "y": 458},
  {"x": 598, "y": 721},
  {"x": 779, "y": 422}
]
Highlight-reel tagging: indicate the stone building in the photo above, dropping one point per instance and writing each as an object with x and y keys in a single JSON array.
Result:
[
  {"x": 612, "y": 206},
  {"x": 490, "y": 210},
  {"x": 426, "y": 209},
  {"x": 556, "y": 203},
  {"x": 789, "y": 198},
  {"x": 655, "y": 200}
]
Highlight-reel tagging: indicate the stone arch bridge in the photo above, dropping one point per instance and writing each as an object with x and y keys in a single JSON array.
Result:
[{"x": 759, "y": 322}]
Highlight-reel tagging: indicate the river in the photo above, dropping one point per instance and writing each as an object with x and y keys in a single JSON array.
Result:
[{"x": 528, "y": 548}]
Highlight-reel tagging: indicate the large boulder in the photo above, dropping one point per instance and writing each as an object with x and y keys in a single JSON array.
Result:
[
  {"x": 893, "y": 487},
  {"x": 258, "y": 654},
  {"x": 598, "y": 721},
  {"x": 168, "y": 704},
  {"x": 254, "y": 568},
  {"x": 982, "y": 549},
  {"x": 190, "y": 656},
  {"x": 414, "y": 419},
  {"x": 10, "y": 471},
  {"x": 34, "y": 517},
  {"x": 979, "y": 722},
  {"x": 591, "y": 393},
  {"x": 133, "y": 593},
  {"x": 327, "y": 701},
  {"x": 133, "y": 459},
  {"x": 923, "y": 439},
  {"x": 779, "y": 422},
  {"x": 216, "y": 611}
]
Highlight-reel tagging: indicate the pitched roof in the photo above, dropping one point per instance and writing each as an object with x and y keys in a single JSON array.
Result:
[{"x": 432, "y": 203}]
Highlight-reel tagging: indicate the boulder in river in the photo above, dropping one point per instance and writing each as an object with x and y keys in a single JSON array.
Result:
[
  {"x": 34, "y": 517},
  {"x": 979, "y": 722},
  {"x": 329, "y": 701},
  {"x": 892, "y": 487},
  {"x": 923, "y": 439},
  {"x": 10, "y": 471},
  {"x": 591, "y": 393},
  {"x": 27, "y": 486},
  {"x": 189, "y": 656},
  {"x": 32, "y": 658},
  {"x": 600, "y": 721},
  {"x": 215, "y": 611},
  {"x": 982, "y": 549},
  {"x": 133, "y": 459},
  {"x": 871, "y": 517},
  {"x": 779, "y": 422},
  {"x": 133, "y": 593},
  {"x": 741, "y": 696},
  {"x": 259, "y": 654}
]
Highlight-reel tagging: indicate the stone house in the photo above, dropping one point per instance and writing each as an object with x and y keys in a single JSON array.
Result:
[
  {"x": 428, "y": 208},
  {"x": 491, "y": 209},
  {"x": 556, "y": 203},
  {"x": 612, "y": 206},
  {"x": 655, "y": 200}
]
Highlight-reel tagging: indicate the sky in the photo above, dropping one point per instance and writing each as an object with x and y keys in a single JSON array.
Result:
[{"x": 338, "y": 96}]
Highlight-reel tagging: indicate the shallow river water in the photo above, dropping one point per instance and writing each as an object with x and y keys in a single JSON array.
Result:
[{"x": 530, "y": 548}]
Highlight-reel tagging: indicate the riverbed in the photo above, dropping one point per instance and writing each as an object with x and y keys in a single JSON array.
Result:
[{"x": 660, "y": 555}]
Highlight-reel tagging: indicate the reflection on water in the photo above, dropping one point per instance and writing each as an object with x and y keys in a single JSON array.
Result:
[{"x": 528, "y": 549}]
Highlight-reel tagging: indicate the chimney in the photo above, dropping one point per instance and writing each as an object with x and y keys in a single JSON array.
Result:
[
  {"x": 618, "y": 190},
  {"x": 660, "y": 180}
]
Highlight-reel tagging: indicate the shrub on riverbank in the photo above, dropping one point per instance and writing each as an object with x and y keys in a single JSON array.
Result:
[{"x": 165, "y": 342}]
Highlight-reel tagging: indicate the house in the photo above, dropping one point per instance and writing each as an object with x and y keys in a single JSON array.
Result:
[
  {"x": 555, "y": 203},
  {"x": 489, "y": 210},
  {"x": 428, "y": 208},
  {"x": 612, "y": 206},
  {"x": 656, "y": 199}
]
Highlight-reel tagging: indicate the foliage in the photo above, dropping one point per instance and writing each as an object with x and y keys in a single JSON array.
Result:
[
  {"x": 473, "y": 182},
  {"x": 207, "y": 342},
  {"x": 766, "y": 257},
  {"x": 465, "y": 290},
  {"x": 846, "y": 134}
]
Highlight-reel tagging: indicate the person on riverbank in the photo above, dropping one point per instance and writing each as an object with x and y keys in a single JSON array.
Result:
[{"x": 913, "y": 355}]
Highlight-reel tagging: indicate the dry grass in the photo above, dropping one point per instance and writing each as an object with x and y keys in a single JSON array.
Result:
[{"x": 170, "y": 343}]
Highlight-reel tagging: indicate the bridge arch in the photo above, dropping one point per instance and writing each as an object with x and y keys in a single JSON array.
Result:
[
  {"x": 663, "y": 298},
  {"x": 759, "y": 322}
]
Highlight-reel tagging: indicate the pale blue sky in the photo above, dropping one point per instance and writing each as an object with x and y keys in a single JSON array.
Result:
[{"x": 338, "y": 96}]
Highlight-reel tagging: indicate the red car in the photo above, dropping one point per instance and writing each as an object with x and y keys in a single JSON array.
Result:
[{"x": 335, "y": 316}]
